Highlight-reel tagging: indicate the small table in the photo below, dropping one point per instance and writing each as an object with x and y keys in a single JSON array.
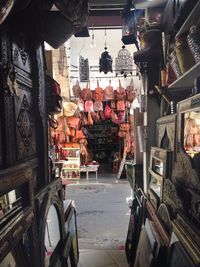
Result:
[{"x": 90, "y": 168}]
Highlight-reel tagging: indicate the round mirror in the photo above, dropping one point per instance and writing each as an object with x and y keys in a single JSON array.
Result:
[{"x": 52, "y": 233}]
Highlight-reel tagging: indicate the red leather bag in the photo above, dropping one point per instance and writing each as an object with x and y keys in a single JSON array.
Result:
[
  {"x": 130, "y": 92},
  {"x": 76, "y": 90},
  {"x": 107, "y": 112},
  {"x": 89, "y": 106},
  {"x": 109, "y": 92},
  {"x": 120, "y": 93},
  {"x": 86, "y": 93},
  {"x": 99, "y": 93},
  {"x": 120, "y": 105}
]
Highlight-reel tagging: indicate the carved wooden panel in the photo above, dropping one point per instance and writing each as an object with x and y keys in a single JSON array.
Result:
[
  {"x": 166, "y": 128},
  {"x": 25, "y": 124}
]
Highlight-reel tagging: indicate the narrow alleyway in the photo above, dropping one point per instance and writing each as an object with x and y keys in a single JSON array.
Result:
[{"x": 102, "y": 218}]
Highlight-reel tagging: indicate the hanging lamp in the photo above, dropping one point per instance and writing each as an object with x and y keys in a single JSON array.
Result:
[
  {"x": 105, "y": 61},
  {"x": 123, "y": 62}
]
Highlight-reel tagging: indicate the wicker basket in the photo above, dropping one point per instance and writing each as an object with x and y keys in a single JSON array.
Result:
[
  {"x": 184, "y": 55},
  {"x": 194, "y": 41}
]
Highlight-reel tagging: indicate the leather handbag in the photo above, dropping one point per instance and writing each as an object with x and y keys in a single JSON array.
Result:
[
  {"x": 86, "y": 93},
  {"x": 109, "y": 92},
  {"x": 130, "y": 91},
  {"x": 80, "y": 104},
  {"x": 120, "y": 105},
  {"x": 107, "y": 112},
  {"x": 73, "y": 122},
  {"x": 98, "y": 106},
  {"x": 89, "y": 106},
  {"x": 76, "y": 89},
  {"x": 98, "y": 93},
  {"x": 120, "y": 93}
]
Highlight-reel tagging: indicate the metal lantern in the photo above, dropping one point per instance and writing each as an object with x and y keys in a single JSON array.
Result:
[
  {"x": 123, "y": 62},
  {"x": 84, "y": 70},
  {"x": 105, "y": 62}
]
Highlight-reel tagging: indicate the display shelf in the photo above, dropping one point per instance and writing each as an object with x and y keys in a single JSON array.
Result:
[
  {"x": 187, "y": 79},
  {"x": 192, "y": 19}
]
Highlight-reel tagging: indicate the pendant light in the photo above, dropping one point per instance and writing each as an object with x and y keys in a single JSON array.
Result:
[
  {"x": 92, "y": 43},
  {"x": 105, "y": 61},
  {"x": 123, "y": 62}
]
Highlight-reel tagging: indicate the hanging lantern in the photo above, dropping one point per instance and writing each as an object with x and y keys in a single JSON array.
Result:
[
  {"x": 123, "y": 62},
  {"x": 105, "y": 61},
  {"x": 84, "y": 69},
  {"x": 130, "y": 17}
]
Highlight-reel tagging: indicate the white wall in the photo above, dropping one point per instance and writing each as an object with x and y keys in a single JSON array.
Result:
[{"x": 81, "y": 46}]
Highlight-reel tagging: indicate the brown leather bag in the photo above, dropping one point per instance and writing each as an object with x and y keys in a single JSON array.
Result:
[
  {"x": 76, "y": 89},
  {"x": 120, "y": 105},
  {"x": 98, "y": 106},
  {"x": 98, "y": 93},
  {"x": 109, "y": 92},
  {"x": 130, "y": 91},
  {"x": 86, "y": 93},
  {"x": 120, "y": 93}
]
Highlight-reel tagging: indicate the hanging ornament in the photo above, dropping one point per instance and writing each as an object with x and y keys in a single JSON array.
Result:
[
  {"x": 105, "y": 61},
  {"x": 123, "y": 62},
  {"x": 84, "y": 69}
]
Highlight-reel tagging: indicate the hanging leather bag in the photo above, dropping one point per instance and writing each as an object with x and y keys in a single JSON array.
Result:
[
  {"x": 76, "y": 89},
  {"x": 80, "y": 104},
  {"x": 120, "y": 93},
  {"x": 130, "y": 92},
  {"x": 98, "y": 93},
  {"x": 86, "y": 93},
  {"x": 120, "y": 105},
  {"x": 98, "y": 106},
  {"x": 89, "y": 106},
  {"x": 109, "y": 92},
  {"x": 107, "y": 112}
]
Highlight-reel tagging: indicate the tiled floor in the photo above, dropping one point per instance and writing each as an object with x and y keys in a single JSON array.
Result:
[{"x": 102, "y": 258}]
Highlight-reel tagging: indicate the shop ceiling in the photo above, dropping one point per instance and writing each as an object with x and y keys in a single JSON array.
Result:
[{"x": 108, "y": 13}]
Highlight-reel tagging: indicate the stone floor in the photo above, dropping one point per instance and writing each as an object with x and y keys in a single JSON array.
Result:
[
  {"x": 102, "y": 258},
  {"x": 102, "y": 219}
]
